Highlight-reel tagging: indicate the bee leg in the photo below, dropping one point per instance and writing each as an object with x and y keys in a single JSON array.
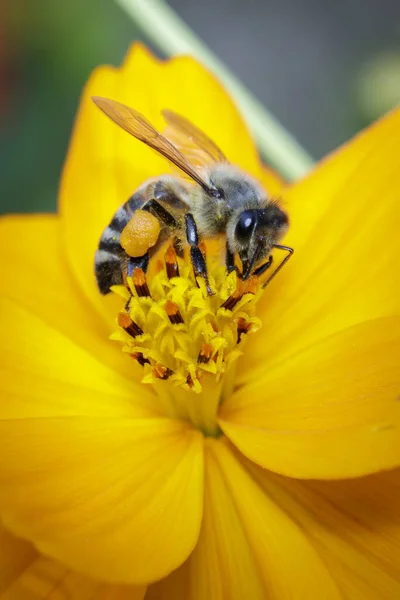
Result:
[
  {"x": 284, "y": 261},
  {"x": 196, "y": 255},
  {"x": 178, "y": 247},
  {"x": 161, "y": 213},
  {"x": 140, "y": 262},
  {"x": 229, "y": 260},
  {"x": 260, "y": 270}
]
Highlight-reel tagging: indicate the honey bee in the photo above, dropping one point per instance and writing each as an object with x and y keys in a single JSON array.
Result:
[{"x": 212, "y": 197}]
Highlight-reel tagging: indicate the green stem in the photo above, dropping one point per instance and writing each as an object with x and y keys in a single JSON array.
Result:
[{"x": 171, "y": 35}]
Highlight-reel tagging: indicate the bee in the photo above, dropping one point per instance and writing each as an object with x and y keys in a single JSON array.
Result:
[{"x": 210, "y": 198}]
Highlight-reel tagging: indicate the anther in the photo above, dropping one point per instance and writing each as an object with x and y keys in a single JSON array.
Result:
[
  {"x": 242, "y": 327},
  {"x": 189, "y": 381},
  {"x": 233, "y": 299},
  {"x": 173, "y": 312},
  {"x": 140, "y": 283},
  {"x": 126, "y": 323},
  {"x": 171, "y": 264},
  {"x": 139, "y": 356},
  {"x": 204, "y": 354},
  {"x": 161, "y": 372},
  {"x": 251, "y": 285}
]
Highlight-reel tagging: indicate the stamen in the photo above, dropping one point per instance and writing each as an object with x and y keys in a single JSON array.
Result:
[
  {"x": 186, "y": 341},
  {"x": 233, "y": 299},
  {"x": 126, "y": 323},
  {"x": 205, "y": 354},
  {"x": 171, "y": 263},
  {"x": 161, "y": 372},
  {"x": 139, "y": 356},
  {"x": 159, "y": 266},
  {"x": 140, "y": 283},
  {"x": 189, "y": 381},
  {"x": 242, "y": 327},
  {"x": 245, "y": 287},
  {"x": 173, "y": 312},
  {"x": 251, "y": 285},
  {"x": 185, "y": 335}
]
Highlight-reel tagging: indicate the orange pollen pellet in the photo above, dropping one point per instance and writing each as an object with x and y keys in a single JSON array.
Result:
[{"x": 140, "y": 234}]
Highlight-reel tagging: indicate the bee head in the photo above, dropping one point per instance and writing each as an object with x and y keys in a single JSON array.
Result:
[{"x": 256, "y": 231}]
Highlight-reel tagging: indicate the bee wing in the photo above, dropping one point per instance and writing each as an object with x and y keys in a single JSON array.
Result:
[
  {"x": 191, "y": 140},
  {"x": 137, "y": 125}
]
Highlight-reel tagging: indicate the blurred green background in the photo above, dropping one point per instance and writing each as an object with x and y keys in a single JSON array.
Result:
[{"x": 324, "y": 69}]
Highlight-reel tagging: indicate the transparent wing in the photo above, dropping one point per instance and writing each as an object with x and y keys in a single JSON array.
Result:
[
  {"x": 137, "y": 125},
  {"x": 190, "y": 140}
]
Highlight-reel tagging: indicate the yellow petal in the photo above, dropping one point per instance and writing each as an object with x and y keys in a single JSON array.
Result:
[
  {"x": 26, "y": 576},
  {"x": 331, "y": 411},
  {"x": 344, "y": 229},
  {"x": 248, "y": 546},
  {"x": 105, "y": 165},
  {"x": 272, "y": 182},
  {"x": 116, "y": 499},
  {"x": 15, "y": 556},
  {"x": 120, "y": 592},
  {"x": 46, "y": 579},
  {"x": 43, "y": 374},
  {"x": 353, "y": 524},
  {"x": 37, "y": 276}
]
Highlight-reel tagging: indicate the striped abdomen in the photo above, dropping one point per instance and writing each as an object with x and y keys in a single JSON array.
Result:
[{"x": 110, "y": 258}]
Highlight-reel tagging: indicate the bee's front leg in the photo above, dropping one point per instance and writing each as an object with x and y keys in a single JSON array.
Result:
[
  {"x": 198, "y": 260},
  {"x": 262, "y": 268},
  {"x": 229, "y": 260},
  {"x": 289, "y": 251}
]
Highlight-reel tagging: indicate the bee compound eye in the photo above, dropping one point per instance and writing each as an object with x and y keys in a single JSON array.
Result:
[{"x": 245, "y": 225}]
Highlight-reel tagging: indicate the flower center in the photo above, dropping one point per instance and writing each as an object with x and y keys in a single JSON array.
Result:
[{"x": 186, "y": 340}]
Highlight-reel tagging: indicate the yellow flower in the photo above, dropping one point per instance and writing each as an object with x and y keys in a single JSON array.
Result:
[{"x": 294, "y": 494}]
